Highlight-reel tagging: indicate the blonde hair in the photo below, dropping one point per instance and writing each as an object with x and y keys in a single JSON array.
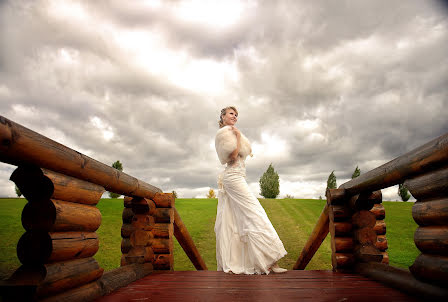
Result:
[{"x": 223, "y": 112}]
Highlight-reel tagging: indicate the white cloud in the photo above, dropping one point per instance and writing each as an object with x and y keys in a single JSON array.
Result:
[{"x": 320, "y": 86}]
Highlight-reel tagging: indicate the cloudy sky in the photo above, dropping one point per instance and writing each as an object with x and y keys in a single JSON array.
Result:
[{"x": 319, "y": 85}]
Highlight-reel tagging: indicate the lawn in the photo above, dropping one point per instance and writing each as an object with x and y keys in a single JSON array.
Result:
[{"x": 293, "y": 219}]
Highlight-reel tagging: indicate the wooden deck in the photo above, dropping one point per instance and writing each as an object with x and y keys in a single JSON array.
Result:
[{"x": 291, "y": 286}]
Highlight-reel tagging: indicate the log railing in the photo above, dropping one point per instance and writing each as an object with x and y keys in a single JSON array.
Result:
[
  {"x": 62, "y": 187},
  {"x": 354, "y": 217}
]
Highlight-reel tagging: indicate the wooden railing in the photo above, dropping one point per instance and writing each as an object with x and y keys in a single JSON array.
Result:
[
  {"x": 354, "y": 217},
  {"x": 62, "y": 187}
]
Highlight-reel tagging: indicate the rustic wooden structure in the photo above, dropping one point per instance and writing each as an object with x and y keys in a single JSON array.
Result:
[
  {"x": 354, "y": 216},
  {"x": 63, "y": 186}
]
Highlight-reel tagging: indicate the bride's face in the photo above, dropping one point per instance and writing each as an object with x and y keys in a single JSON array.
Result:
[{"x": 230, "y": 118}]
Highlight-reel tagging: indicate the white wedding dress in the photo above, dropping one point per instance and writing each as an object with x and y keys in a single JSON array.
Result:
[{"x": 246, "y": 241}]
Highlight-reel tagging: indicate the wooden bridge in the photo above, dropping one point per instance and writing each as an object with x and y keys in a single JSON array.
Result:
[{"x": 63, "y": 186}]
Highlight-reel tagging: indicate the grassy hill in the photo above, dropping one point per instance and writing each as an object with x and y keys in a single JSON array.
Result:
[{"x": 293, "y": 219}]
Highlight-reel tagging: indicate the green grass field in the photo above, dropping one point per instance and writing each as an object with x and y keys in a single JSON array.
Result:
[{"x": 293, "y": 219}]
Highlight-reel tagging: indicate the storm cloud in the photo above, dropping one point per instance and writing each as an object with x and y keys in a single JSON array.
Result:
[{"x": 319, "y": 86}]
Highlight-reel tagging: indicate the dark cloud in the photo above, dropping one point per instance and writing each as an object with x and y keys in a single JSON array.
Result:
[{"x": 320, "y": 86}]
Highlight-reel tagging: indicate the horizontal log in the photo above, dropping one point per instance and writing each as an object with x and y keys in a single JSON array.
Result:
[
  {"x": 433, "y": 212},
  {"x": 368, "y": 253},
  {"x": 380, "y": 227},
  {"x": 109, "y": 282},
  {"x": 62, "y": 276},
  {"x": 143, "y": 222},
  {"x": 186, "y": 242},
  {"x": 50, "y": 279},
  {"x": 126, "y": 230},
  {"x": 379, "y": 211},
  {"x": 136, "y": 255},
  {"x": 315, "y": 240},
  {"x": 365, "y": 236},
  {"x": 163, "y": 262},
  {"x": 164, "y": 215},
  {"x": 365, "y": 201},
  {"x": 431, "y": 268},
  {"x": 139, "y": 254},
  {"x": 140, "y": 205},
  {"x": 432, "y": 239},
  {"x": 422, "y": 159},
  {"x": 161, "y": 246},
  {"x": 38, "y": 247},
  {"x": 87, "y": 292},
  {"x": 335, "y": 196},
  {"x": 127, "y": 201},
  {"x": 342, "y": 228},
  {"x": 163, "y": 230},
  {"x": 344, "y": 244},
  {"x": 37, "y": 183},
  {"x": 127, "y": 215},
  {"x": 123, "y": 276},
  {"x": 344, "y": 260},
  {"x": 60, "y": 216},
  {"x": 22, "y": 146},
  {"x": 385, "y": 258},
  {"x": 149, "y": 254},
  {"x": 381, "y": 243},
  {"x": 363, "y": 218},
  {"x": 125, "y": 245},
  {"x": 341, "y": 212},
  {"x": 401, "y": 279},
  {"x": 123, "y": 260},
  {"x": 430, "y": 185},
  {"x": 140, "y": 237},
  {"x": 163, "y": 200}
]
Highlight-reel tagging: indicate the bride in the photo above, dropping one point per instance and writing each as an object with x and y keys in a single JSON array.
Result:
[{"x": 246, "y": 241}]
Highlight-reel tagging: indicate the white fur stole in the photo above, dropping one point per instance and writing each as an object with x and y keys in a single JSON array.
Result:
[{"x": 225, "y": 144}]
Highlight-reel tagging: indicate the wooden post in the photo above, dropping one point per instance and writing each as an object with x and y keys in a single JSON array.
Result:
[
  {"x": 318, "y": 235},
  {"x": 380, "y": 228},
  {"x": 186, "y": 242},
  {"x": 430, "y": 212},
  {"x": 147, "y": 231},
  {"x": 60, "y": 220},
  {"x": 364, "y": 221},
  {"x": 342, "y": 245}
]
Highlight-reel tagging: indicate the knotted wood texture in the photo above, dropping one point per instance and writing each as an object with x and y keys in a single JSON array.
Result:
[
  {"x": 430, "y": 212},
  {"x": 380, "y": 228},
  {"x": 147, "y": 231},
  {"x": 60, "y": 220},
  {"x": 340, "y": 228}
]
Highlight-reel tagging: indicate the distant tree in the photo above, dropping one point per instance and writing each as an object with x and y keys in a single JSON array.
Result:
[
  {"x": 269, "y": 183},
  {"x": 174, "y": 194},
  {"x": 356, "y": 173},
  {"x": 18, "y": 192},
  {"x": 331, "y": 182},
  {"x": 403, "y": 192},
  {"x": 320, "y": 197},
  {"x": 211, "y": 193},
  {"x": 117, "y": 165},
  {"x": 289, "y": 196}
]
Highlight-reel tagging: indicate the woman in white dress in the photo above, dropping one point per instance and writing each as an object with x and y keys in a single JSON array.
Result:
[{"x": 246, "y": 241}]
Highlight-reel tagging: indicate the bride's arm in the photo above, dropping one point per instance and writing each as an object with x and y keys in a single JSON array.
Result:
[{"x": 235, "y": 152}]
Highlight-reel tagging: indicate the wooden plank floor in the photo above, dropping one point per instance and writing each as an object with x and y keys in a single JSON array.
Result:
[{"x": 291, "y": 286}]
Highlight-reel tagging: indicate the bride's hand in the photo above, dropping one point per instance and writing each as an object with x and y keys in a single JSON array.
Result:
[{"x": 236, "y": 131}]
